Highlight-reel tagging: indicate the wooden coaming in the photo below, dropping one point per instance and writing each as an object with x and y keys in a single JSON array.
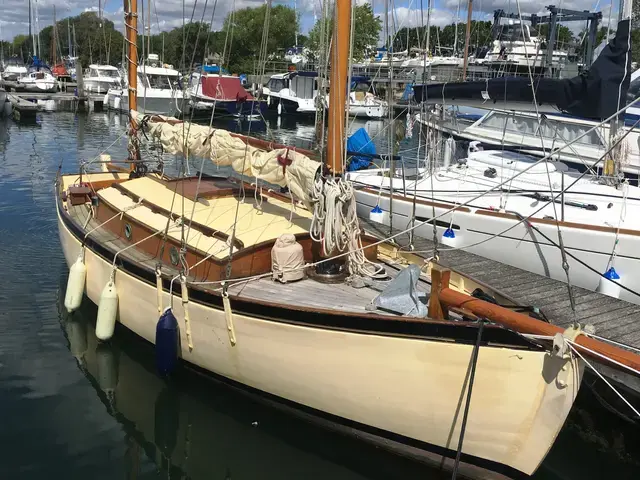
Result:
[{"x": 246, "y": 261}]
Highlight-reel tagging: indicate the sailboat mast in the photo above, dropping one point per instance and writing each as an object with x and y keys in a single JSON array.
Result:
[
  {"x": 131, "y": 33},
  {"x": 54, "y": 52},
  {"x": 338, "y": 79},
  {"x": 33, "y": 39},
  {"x": 69, "y": 35},
  {"x": 149, "y": 28},
  {"x": 466, "y": 41}
]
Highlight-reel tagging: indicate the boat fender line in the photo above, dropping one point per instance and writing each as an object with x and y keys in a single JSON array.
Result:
[
  {"x": 107, "y": 310},
  {"x": 228, "y": 313},
  {"x": 185, "y": 305},
  {"x": 159, "y": 288}
]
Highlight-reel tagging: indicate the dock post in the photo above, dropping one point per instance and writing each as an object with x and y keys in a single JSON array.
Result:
[
  {"x": 440, "y": 277},
  {"x": 80, "y": 96}
]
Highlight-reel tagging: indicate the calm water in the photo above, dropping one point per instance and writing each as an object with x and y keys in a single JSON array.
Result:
[{"x": 71, "y": 408}]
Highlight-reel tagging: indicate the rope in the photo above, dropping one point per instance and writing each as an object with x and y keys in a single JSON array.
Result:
[
  {"x": 575, "y": 350},
  {"x": 465, "y": 415},
  {"x": 335, "y": 225}
]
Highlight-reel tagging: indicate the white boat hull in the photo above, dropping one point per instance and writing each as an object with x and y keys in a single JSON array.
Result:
[
  {"x": 165, "y": 104},
  {"x": 485, "y": 234},
  {"x": 408, "y": 387}
]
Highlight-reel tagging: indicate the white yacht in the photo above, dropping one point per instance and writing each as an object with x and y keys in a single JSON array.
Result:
[
  {"x": 598, "y": 223},
  {"x": 292, "y": 92},
  {"x": 13, "y": 68},
  {"x": 527, "y": 129},
  {"x": 100, "y": 78},
  {"x": 37, "y": 81},
  {"x": 363, "y": 100},
  {"x": 159, "y": 91},
  {"x": 514, "y": 46}
]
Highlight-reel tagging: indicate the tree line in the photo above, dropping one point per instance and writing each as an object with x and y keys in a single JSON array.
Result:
[{"x": 239, "y": 44}]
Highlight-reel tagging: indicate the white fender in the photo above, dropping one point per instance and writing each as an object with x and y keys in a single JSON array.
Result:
[
  {"x": 107, "y": 311},
  {"x": 75, "y": 284}
]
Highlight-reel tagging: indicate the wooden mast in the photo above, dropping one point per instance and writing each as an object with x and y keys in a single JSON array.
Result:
[
  {"x": 130, "y": 35},
  {"x": 131, "y": 38},
  {"x": 338, "y": 88}
]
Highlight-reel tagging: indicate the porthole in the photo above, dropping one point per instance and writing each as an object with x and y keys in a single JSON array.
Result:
[
  {"x": 174, "y": 256},
  {"x": 127, "y": 231}
]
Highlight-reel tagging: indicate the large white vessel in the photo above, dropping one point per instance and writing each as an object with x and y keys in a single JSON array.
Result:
[
  {"x": 515, "y": 48},
  {"x": 159, "y": 91},
  {"x": 100, "y": 78}
]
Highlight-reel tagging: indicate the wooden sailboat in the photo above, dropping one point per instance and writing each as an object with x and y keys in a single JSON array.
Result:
[{"x": 196, "y": 252}]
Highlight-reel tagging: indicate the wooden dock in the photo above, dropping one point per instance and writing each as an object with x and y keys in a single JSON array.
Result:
[
  {"x": 613, "y": 319},
  {"x": 22, "y": 109}
]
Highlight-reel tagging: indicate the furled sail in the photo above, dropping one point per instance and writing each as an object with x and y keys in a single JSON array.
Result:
[
  {"x": 597, "y": 93},
  {"x": 281, "y": 166}
]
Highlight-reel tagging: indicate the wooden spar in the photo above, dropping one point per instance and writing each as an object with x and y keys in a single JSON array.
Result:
[
  {"x": 131, "y": 37},
  {"x": 338, "y": 87},
  {"x": 131, "y": 33},
  {"x": 524, "y": 324},
  {"x": 466, "y": 41}
]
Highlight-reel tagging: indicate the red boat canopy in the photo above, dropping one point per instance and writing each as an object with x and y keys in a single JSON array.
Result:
[{"x": 224, "y": 88}]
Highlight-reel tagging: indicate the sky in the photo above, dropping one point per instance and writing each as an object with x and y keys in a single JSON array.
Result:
[{"x": 167, "y": 14}]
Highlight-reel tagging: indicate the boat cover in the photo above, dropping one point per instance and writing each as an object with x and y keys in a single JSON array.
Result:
[
  {"x": 360, "y": 142},
  {"x": 401, "y": 296},
  {"x": 596, "y": 93},
  {"x": 224, "y": 88},
  {"x": 283, "y": 166}
]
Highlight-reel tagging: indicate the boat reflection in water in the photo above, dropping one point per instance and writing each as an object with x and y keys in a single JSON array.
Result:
[{"x": 193, "y": 428}]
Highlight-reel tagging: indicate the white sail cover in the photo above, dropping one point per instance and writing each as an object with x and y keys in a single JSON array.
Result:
[{"x": 283, "y": 167}]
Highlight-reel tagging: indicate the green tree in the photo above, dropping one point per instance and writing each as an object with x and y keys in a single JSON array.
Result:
[
  {"x": 242, "y": 35},
  {"x": 564, "y": 36},
  {"x": 366, "y": 31}
]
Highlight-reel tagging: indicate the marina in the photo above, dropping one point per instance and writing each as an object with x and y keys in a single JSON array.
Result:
[{"x": 251, "y": 252}]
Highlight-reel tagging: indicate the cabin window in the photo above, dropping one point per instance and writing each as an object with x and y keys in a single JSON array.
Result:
[
  {"x": 275, "y": 84},
  {"x": 514, "y": 33},
  {"x": 159, "y": 81},
  {"x": 559, "y": 132},
  {"x": 109, "y": 73}
]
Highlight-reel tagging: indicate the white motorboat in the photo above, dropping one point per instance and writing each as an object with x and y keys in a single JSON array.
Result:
[
  {"x": 13, "y": 68},
  {"x": 292, "y": 92},
  {"x": 515, "y": 47},
  {"x": 101, "y": 78},
  {"x": 159, "y": 92}
]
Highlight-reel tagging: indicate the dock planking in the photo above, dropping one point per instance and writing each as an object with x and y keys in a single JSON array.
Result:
[{"x": 612, "y": 318}]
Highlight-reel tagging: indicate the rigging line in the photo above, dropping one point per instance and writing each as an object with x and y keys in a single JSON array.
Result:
[
  {"x": 565, "y": 263},
  {"x": 465, "y": 415},
  {"x": 584, "y": 264},
  {"x": 573, "y": 346},
  {"x": 396, "y": 235},
  {"x": 619, "y": 344}
]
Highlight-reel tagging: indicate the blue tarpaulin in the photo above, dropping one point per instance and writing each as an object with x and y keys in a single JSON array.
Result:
[{"x": 360, "y": 142}]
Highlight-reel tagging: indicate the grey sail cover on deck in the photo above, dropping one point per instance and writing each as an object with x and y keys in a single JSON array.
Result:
[{"x": 401, "y": 295}]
